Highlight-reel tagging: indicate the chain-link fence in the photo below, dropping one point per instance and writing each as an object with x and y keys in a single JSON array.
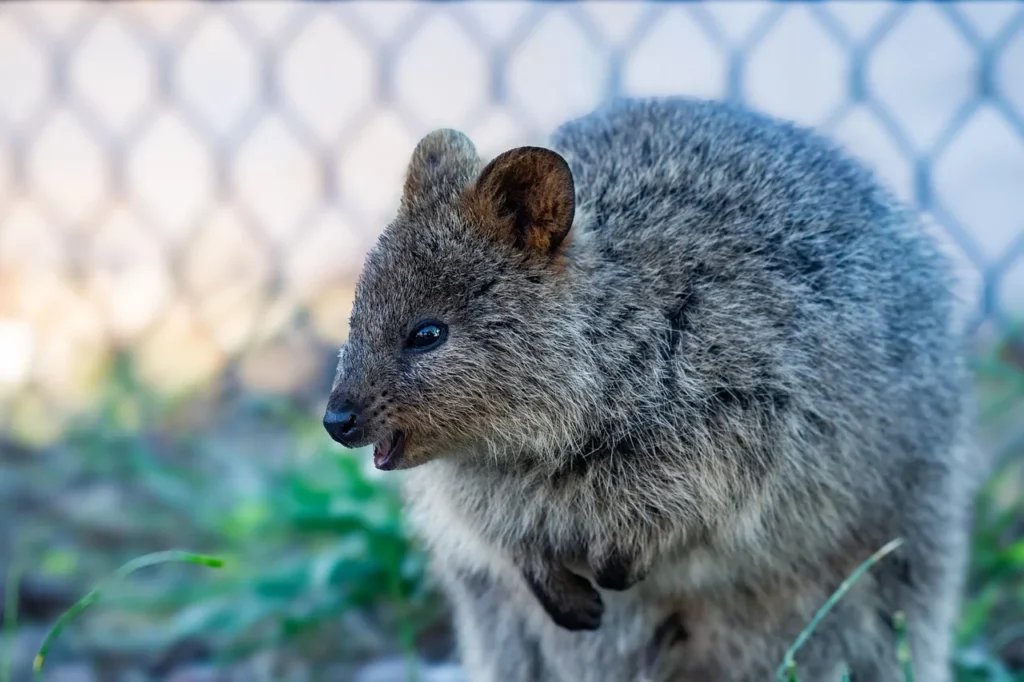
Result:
[{"x": 199, "y": 182}]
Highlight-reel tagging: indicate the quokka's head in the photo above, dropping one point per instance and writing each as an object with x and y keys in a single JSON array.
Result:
[{"x": 462, "y": 337}]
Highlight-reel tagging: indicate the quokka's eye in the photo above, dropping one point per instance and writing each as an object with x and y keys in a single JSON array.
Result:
[{"x": 427, "y": 336}]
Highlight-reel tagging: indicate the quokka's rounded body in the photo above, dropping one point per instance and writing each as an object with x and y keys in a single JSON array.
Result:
[{"x": 657, "y": 389}]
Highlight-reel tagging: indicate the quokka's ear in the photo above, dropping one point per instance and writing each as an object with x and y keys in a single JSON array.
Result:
[
  {"x": 528, "y": 195},
  {"x": 444, "y": 161}
]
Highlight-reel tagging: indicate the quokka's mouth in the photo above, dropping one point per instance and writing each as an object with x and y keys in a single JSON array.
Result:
[{"x": 387, "y": 454}]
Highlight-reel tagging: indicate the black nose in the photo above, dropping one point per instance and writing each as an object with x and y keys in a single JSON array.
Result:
[{"x": 344, "y": 425}]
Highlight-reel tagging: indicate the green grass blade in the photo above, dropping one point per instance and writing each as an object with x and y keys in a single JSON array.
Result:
[
  {"x": 786, "y": 671},
  {"x": 121, "y": 573},
  {"x": 899, "y": 621}
]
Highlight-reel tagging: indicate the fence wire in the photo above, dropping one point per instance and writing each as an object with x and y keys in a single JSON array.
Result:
[{"x": 198, "y": 182}]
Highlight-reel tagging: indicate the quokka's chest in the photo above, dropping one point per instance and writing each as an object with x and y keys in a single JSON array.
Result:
[{"x": 503, "y": 511}]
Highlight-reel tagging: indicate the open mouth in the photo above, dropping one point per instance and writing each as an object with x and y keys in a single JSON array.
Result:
[{"x": 387, "y": 454}]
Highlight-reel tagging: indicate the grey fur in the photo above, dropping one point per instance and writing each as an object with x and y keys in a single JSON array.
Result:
[{"x": 735, "y": 379}]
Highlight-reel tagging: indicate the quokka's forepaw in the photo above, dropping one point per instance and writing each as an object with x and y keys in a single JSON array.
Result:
[
  {"x": 571, "y": 601},
  {"x": 616, "y": 571}
]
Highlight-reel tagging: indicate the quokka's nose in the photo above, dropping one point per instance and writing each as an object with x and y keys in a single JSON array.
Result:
[{"x": 344, "y": 424}]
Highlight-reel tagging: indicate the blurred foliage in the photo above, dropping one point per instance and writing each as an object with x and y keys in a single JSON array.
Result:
[
  {"x": 318, "y": 560},
  {"x": 991, "y": 635},
  {"x": 315, "y": 547}
]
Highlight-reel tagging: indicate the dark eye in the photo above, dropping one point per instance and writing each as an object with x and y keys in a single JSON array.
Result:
[{"x": 427, "y": 336}]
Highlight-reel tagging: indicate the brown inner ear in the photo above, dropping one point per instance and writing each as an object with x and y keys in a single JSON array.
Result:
[{"x": 529, "y": 193}]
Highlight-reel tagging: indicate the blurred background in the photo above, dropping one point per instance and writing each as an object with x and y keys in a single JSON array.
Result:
[{"x": 187, "y": 191}]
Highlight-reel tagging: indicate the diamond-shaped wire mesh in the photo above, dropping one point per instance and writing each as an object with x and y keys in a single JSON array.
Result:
[{"x": 199, "y": 182}]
